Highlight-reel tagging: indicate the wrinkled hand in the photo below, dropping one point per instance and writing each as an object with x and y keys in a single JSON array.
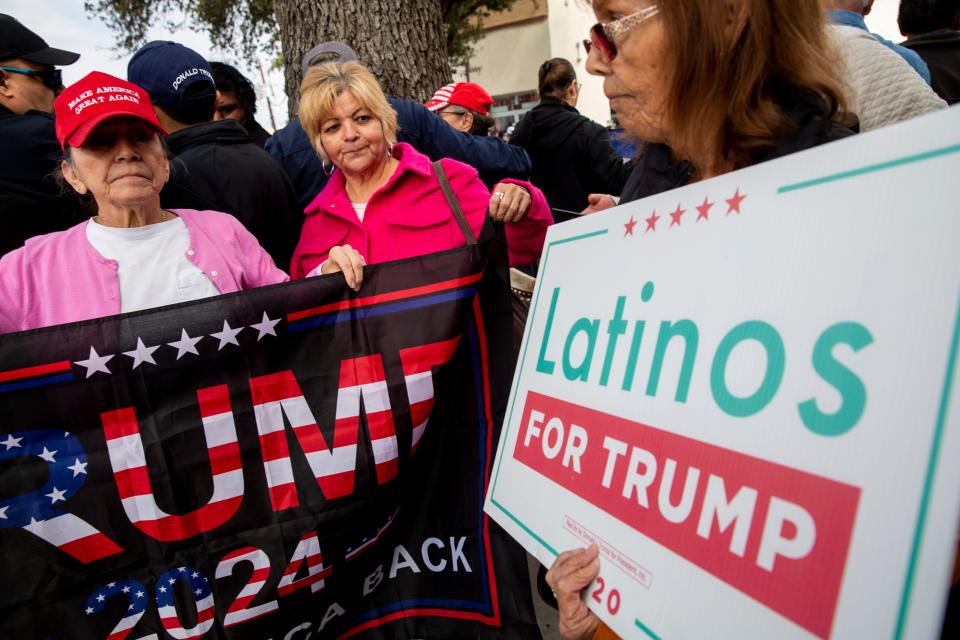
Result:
[
  {"x": 345, "y": 259},
  {"x": 599, "y": 202},
  {"x": 514, "y": 204},
  {"x": 570, "y": 574}
]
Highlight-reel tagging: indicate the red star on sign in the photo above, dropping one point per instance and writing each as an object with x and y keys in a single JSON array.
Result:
[
  {"x": 629, "y": 225},
  {"x": 652, "y": 221},
  {"x": 676, "y": 215},
  {"x": 735, "y": 201},
  {"x": 703, "y": 210}
]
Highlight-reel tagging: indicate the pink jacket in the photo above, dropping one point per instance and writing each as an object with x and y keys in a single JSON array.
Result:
[
  {"x": 409, "y": 216},
  {"x": 60, "y": 277}
]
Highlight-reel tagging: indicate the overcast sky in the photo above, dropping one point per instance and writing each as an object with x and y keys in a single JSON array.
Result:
[{"x": 64, "y": 24}]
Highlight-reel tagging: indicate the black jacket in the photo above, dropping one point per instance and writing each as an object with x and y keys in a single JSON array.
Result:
[
  {"x": 31, "y": 202},
  {"x": 658, "y": 170},
  {"x": 941, "y": 51},
  {"x": 572, "y": 156},
  {"x": 218, "y": 167}
]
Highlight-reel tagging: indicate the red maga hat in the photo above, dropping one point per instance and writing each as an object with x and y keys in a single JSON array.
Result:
[
  {"x": 461, "y": 94},
  {"x": 94, "y": 98}
]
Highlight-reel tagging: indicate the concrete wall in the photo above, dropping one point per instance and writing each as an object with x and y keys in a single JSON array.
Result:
[
  {"x": 569, "y": 24},
  {"x": 506, "y": 60}
]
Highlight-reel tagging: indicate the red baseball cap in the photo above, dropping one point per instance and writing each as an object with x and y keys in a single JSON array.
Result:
[
  {"x": 94, "y": 98},
  {"x": 462, "y": 94}
]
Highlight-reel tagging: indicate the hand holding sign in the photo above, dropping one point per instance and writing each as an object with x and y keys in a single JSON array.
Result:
[{"x": 570, "y": 574}]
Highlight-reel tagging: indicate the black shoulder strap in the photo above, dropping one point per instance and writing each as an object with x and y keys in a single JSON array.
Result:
[{"x": 453, "y": 203}]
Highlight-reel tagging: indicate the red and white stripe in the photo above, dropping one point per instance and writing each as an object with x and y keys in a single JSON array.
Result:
[
  {"x": 240, "y": 611},
  {"x": 418, "y": 364},
  {"x": 365, "y": 378},
  {"x": 74, "y": 537},
  {"x": 278, "y": 395},
  {"x": 308, "y": 550},
  {"x": 128, "y": 459},
  {"x": 170, "y": 620},
  {"x": 125, "y": 626}
]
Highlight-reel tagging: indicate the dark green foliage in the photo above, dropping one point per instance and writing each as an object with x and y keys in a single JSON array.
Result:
[{"x": 240, "y": 26}]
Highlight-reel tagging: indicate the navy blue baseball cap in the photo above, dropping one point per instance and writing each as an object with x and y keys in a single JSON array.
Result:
[{"x": 166, "y": 70}]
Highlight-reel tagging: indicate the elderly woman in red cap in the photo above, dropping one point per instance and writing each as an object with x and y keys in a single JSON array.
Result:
[
  {"x": 464, "y": 105},
  {"x": 132, "y": 254}
]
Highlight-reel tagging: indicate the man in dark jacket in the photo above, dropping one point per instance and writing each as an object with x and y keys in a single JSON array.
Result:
[
  {"x": 932, "y": 28},
  {"x": 216, "y": 166},
  {"x": 424, "y": 130},
  {"x": 571, "y": 154},
  {"x": 31, "y": 202}
]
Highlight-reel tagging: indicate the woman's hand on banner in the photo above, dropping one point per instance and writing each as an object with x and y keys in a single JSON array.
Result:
[{"x": 347, "y": 260}]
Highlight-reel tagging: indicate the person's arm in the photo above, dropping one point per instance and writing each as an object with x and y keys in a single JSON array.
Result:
[
  {"x": 258, "y": 267},
  {"x": 429, "y": 134},
  {"x": 527, "y": 229},
  {"x": 11, "y": 291},
  {"x": 609, "y": 170}
]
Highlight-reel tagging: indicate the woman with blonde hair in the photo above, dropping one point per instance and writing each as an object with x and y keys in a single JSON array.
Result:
[{"x": 384, "y": 200}]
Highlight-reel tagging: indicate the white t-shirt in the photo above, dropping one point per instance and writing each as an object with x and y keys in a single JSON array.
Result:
[
  {"x": 152, "y": 264},
  {"x": 360, "y": 208}
]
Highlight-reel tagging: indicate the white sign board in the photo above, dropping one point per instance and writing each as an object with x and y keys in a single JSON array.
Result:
[{"x": 744, "y": 390}]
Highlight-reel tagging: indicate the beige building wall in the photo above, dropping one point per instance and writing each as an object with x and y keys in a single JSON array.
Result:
[
  {"x": 518, "y": 41},
  {"x": 569, "y": 24}
]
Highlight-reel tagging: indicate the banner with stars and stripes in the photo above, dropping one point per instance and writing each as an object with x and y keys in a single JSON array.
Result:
[{"x": 289, "y": 462}]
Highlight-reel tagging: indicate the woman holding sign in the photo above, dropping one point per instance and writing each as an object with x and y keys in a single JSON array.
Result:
[
  {"x": 706, "y": 88},
  {"x": 709, "y": 87}
]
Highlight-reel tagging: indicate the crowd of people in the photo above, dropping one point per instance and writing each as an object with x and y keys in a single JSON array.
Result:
[{"x": 124, "y": 194}]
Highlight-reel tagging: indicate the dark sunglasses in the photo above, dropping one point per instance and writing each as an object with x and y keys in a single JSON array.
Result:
[
  {"x": 604, "y": 36},
  {"x": 51, "y": 78}
]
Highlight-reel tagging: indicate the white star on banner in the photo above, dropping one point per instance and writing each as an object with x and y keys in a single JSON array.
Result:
[
  {"x": 57, "y": 496},
  {"x": 78, "y": 467},
  {"x": 162, "y": 589},
  {"x": 112, "y": 585},
  {"x": 125, "y": 589},
  {"x": 265, "y": 326},
  {"x": 3, "y": 512},
  {"x": 141, "y": 354},
  {"x": 95, "y": 362},
  {"x": 89, "y": 610},
  {"x": 48, "y": 455},
  {"x": 185, "y": 344},
  {"x": 11, "y": 442},
  {"x": 227, "y": 336},
  {"x": 139, "y": 594},
  {"x": 101, "y": 597}
]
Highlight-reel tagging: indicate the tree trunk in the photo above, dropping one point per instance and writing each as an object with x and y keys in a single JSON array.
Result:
[{"x": 402, "y": 42}]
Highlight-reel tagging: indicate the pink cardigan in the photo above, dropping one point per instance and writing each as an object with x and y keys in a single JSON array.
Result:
[
  {"x": 409, "y": 216},
  {"x": 60, "y": 277}
]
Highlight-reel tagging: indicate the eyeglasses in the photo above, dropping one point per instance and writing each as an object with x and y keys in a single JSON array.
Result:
[
  {"x": 50, "y": 77},
  {"x": 451, "y": 113},
  {"x": 604, "y": 36}
]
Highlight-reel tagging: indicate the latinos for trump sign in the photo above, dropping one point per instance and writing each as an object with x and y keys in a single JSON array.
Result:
[
  {"x": 290, "y": 462},
  {"x": 744, "y": 392}
]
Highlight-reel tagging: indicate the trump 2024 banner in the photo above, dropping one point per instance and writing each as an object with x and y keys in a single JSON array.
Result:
[
  {"x": 292, "y": 462},
  {"x": 744, "y": 391}
]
